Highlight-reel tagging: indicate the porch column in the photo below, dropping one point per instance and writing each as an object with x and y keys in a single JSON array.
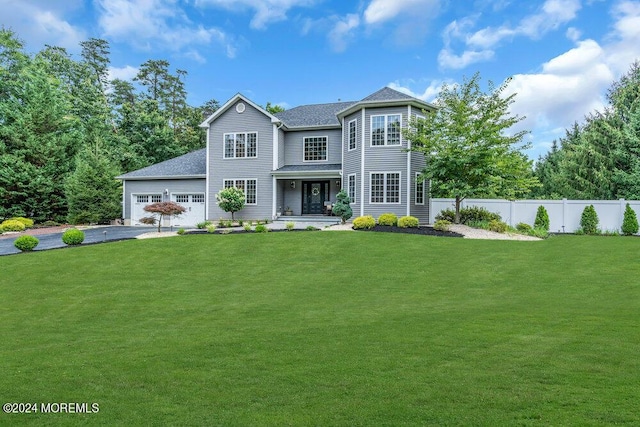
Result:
[{"x": 274, "y": 196}]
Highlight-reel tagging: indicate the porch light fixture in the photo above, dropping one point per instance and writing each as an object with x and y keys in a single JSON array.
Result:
[
  {"x": 293, "y": 184},
  {"x": 166, "y": 191},
  {"x": 338, "y": 183}
]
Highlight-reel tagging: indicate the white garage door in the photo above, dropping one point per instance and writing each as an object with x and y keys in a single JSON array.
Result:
[
  {"x": 139, "y": 202},
  {"x": 194, "y": 203}
]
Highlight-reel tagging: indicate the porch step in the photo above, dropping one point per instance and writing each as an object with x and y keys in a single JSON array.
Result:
[{"x": 310, "y": 218}]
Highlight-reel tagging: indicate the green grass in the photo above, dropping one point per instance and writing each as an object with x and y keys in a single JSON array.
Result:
[{"x": 325, "y": 329}]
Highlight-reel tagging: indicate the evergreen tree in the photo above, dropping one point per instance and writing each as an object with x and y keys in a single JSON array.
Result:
[
  {"x": 342, "y": 206},
  {"x": 630, "y": 221}
]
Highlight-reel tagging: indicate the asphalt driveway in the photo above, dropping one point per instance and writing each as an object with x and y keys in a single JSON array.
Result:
[{"x": 91, "y": 235}]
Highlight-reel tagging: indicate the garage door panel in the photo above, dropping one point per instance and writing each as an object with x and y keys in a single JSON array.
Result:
[{"x": 195, "y": 209}]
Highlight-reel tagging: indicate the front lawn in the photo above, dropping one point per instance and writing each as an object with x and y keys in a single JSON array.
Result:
[{"x": 325, "y": 328}]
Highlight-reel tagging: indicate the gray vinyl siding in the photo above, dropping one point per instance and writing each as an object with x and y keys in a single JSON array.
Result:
[
  {"x": 294, "y": 146},
  {"x": 281, "y": 153},
  {"x": 158, "y": 186},
  {"x": 352, "y": 159},
  {"x": 259, "y": 168},
  {"x": 385, "y": 159},
  {"x": 417, "y": 165}
]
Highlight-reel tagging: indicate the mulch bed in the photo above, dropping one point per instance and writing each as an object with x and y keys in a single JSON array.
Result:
[
  {"x": 36, "y": 231},
  {"x": 425, "y": 231}
]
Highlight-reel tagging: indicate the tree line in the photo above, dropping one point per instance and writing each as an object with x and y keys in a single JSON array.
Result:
[
  {"x": 66, "y": 130},
  {"x": 600, "y": 157}
]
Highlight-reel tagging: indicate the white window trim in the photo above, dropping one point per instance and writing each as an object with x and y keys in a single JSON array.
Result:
[
  {"x": 304, "y": 142},
  {"x": 355, "y": 188},
  {"x": 224, "y": 140},
  {"x": 415, "y": 200},
  {"x": 355, "y": 136},
  {"x": 134, "y": 197},
  {"x": 245, "y": 187},
  {"x": 386, "y": 129},
  {"x": 399, "y": 202},
  {"x": 190, "y": 194}
]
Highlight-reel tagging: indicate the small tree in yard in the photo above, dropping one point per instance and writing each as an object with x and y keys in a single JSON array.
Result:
[
  {"x": 342, "y": 206},
  {"x": 542, "y": 219},
  {"x": 468, "y": 149},
  {"x": 231, "y": 199},
  {"x": 589, "y": 220},
  {"x": 164, "y": 209},
  {"x": 630, "y": 221}
]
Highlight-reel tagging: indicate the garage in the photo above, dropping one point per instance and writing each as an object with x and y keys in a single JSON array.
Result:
[
  {"x": 195, "y": 209},
  {"x": 138, "y": 202}
]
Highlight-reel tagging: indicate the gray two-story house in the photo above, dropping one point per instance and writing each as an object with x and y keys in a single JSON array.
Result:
[{"x": 296, "y": 160}]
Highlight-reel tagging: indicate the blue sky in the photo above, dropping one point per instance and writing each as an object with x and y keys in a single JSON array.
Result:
[{"x": 562, "y": 54}]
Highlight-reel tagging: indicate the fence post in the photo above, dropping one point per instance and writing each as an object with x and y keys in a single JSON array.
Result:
[
  {"x": 564, "y": 214},
  {"x": 621, "y": 216},
  {"x": 512, "y": 209}
]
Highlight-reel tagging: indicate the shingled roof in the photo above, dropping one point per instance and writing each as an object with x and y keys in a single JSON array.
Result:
[
  {"x": 388, "y": 94},
  {"x": 190, "y": 165},
  {"x": 313, "y": 115}
]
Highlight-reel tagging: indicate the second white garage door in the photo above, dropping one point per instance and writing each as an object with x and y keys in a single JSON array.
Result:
[{"x": 194, "y": 203}]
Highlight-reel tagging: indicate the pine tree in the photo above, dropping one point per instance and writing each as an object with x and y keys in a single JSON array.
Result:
[{"x": 630, "y": 221}]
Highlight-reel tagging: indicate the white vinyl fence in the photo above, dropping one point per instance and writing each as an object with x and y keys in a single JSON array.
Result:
[{"x": 564, "y": 215}]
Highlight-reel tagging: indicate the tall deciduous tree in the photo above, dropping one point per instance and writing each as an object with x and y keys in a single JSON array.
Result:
[{"x": 467, "y": 147}]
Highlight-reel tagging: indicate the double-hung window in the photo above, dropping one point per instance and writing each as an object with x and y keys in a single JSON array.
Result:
[
  {"x": 351, "y": 187},
  {"x": 385, "y": 187},
  {"x": 385, "y": 130},
  {"x": 352, "y": 136},
  {"x": 248, "y": 187},
  {"x": 315, "y": 148},
  {"x": 240, "y": 145}
]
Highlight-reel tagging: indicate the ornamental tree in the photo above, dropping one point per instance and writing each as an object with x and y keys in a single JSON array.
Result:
[
  {"x": 163, "y": 209},
  {"x": 231, "y": 199},
  {"x": 468, "y": 149},
  {"x": 630, "y": 221},
  {"x": 342, "y": 206}
]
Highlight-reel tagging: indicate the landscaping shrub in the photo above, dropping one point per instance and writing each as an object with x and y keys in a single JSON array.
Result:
[
  {"x": 442, "y": 225},
  {"x": 26, "y": 243},
  {"x": 247, "y": 227},
  {"x": 261, "y": 228},
  {"x": 28, "y": 223},
  {"x": 73, "y": 236},
  {"x": 524, "y": 227},
  {"x": 388, "y": 219},
  {"x": 49, "y": 223},
  {"x": 539, "y": 232},
  {"x": 148, "y": 220},
  {"x": 181, "y": 231},
  {"x": 202, "y": 225},
  {"x": 342, "y": 207},
  {"x": 364, "y": 222},
  {"x": 497, "y": 226},
  {"x": 408, "y": 222},
  {"x": 589, "y": 220},
  {"x": 211, "y": 228},
  {"x": 290, "y": 225},
  {"x": 12, "y": 225},
  {"x": 472, "y": 214},
  {"x": 630, "y": 221},
  {"x": 311, "y": 228},
  {"x": 542, "y": 218}
]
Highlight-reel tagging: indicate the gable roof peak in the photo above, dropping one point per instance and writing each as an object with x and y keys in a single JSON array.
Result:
[{"x": 388, "y": 94}]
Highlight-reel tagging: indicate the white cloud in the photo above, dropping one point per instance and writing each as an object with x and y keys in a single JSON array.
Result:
[
  {"x": 123, "y": 73},
  {"x": 341, "y": 33},
  {"x": 266, "y": 11},
  {"x": 573, "y": 34},
  {"x": 429, "y": 94},
  {"x": 39, "y": 22},
  {"x": 159, "y": 24},
  {"x": 410, "y": 18},
  {"x": 380, "y": 11},
  {"x": 479, "y": 45}
]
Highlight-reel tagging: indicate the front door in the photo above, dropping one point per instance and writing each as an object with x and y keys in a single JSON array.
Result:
[{"x": 314, "y": 195}]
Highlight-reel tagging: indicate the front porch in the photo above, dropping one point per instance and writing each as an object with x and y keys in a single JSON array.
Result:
[{"x": 304, "y": 191}]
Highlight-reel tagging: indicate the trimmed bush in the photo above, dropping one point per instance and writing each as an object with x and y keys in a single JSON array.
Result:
[
  {"x": 180, "y": 231},
  {"x": 497, "y": 226},
  {"x": 388, "y": 219},
  {"x": 408, "y": 222},
  {"x": 290, "y": 225},
  {"x": 630, "y": 221},
  {"x": 524, "y": 227},
  {"x": 211, "y": 228},
  {"x": 539, "y": 232},
  {"x": 542, "y": 218},
  {"x": 12, "y": 225},
  {"x": 472, "y": 214},
  {"x": 261, "y": 228},
  {"x": 73, "y": 236},
  {"x": 49, "y": 223},
  {"x": 589, "y": 220},
  {"x": 364, "y": 223},
  {"x": 442, "y": 225},
  {"x": 202, "y": 225},
  {"x": 28, "y": 223},
  {"x": 342, "y": 207},
  {"x": 26, "y": 243},
  {"x": 148, "y": 220}
]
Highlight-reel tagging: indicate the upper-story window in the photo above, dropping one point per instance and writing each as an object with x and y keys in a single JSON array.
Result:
[
  {"x": 240, "y": 145},
  {"x": 385, "y": 130},
  {"x": 352, "y": 135},
  {"x": 315, "y": 148}
]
